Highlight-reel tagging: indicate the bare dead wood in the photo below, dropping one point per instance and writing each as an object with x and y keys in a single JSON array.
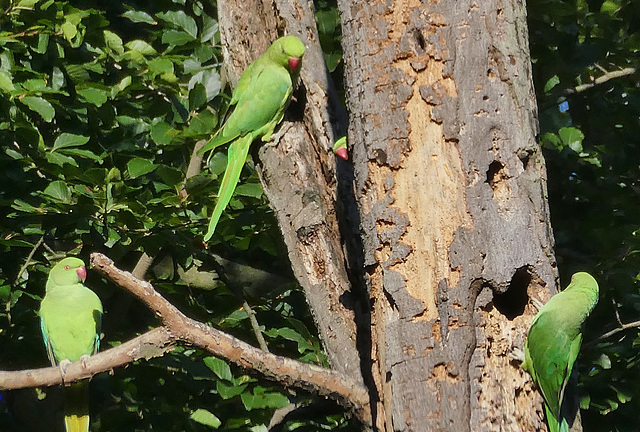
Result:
[{"x": 452, "y": 190}]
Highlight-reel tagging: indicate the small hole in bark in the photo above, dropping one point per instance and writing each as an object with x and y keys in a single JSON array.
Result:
[
  {"x": 422, "y": 43},
  {"x": 512, "y": 302},
  {"x": 524, "y": 157},
  {"x": 493, "y": 173}
]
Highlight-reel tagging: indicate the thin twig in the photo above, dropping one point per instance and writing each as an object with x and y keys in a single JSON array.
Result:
[
  {"x": 634, "y": 324},
  {"x": 28, "y": 261},
  {"x": 601, "y": 80},
  {"x": 19, "y": 275},
  {"x": 617, "y": 312},
  {"x": 237, "y": 291}
]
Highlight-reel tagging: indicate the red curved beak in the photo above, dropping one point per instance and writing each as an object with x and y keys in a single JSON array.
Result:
[
  {"x": 343, "y": 153},
  {"x": 294, "y": 63},
  {"x": 82, "y": 273}
]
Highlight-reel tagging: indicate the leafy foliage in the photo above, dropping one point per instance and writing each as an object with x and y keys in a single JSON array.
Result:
[
  {"x": 589, "y": 134},
  {"x": 100, "y": 107}
]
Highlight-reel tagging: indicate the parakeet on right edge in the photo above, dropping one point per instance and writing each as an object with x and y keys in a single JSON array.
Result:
[{"x": 554, "y": 341}]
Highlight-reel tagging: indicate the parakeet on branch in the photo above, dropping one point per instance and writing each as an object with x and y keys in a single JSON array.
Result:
[
  {"x": 70, "y": 318},
  {"x": 260, "y": 98},
  {"x": 554, "y": 341}
]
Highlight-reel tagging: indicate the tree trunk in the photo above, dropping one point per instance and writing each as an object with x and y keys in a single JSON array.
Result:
[
  {"x": 298, "y": 168},
  {"x": 452, "y": 192}
]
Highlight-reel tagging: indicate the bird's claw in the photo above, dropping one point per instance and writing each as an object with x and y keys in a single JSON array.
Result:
[
  {"x": 517, "y": 354},
  {"x": 84, "y": 360},
  {"x": 63, "y": 365},
  {"x": 536, "y": 303}
]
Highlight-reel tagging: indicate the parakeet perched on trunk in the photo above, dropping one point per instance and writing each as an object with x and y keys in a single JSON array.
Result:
[
  {"x": 554, "y": 341},
  {"x": 70, "y": 318},
  {"x": 260, "y": 98},
  {"x": 340, "y": 148}
]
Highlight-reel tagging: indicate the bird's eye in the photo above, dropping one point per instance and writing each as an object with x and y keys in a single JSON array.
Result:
[{"x": 67, "y": 267}]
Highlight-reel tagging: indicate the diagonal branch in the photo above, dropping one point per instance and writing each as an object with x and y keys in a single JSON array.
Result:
[{"x": 289, "y": 372}]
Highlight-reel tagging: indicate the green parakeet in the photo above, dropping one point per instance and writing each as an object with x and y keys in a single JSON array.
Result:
[
  {"x": 554, "y": 341},
  {"x": 70, "y": 318},
  {"x": 340, "y": 148},
  {"x": 260, "y": 98}
]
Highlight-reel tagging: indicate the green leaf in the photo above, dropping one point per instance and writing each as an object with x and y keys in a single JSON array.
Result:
[
  {"x": 176, "y": 38},
  {"x": 603, "y": 361},
  {"x": 138, "y": 167},
  {"x": 206, "y": 418},
  {"x": 572, "y": 137},
  {"x": 59, "y": 191},
  {"x": 113, "y": 41},
  {"x": 228, "y": 391},
  {"x": 69, "y": 30},
  {"x": 139, "y": 17},
  {"x": 161, "y": 65},
  {"x": 609, "y": 7},
  {"x": 141, "y": 47},
  {"x": 94, "y": 96},
  {"x": 219, "y": 367},
  {"x": 61, "y": 160},
  {"x": 6, "y": 82},
  {"x": 182, "y": 20},
  {"x": 253, "y": 190},
  {"x": 26, "y": 4},
  {"x": 202, "y": 124},
  {"x": 69, "y": 140},
  {"x": 162, "y": 133},
  {"x": 259, "y": 399},
  {"x": 41, "y": 106},
  {"x": 551, "y": 83}
]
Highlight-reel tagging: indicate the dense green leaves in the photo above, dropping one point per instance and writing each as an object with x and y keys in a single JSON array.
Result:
[
  {"x": 590, "y": 129},
  {"x": 101, "y": 105}
]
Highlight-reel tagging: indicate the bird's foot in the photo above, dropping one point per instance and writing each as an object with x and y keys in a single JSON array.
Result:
[
  {"x": 536, "y": 303},
  {"x": 63, "y": 365},
  {"x": 517, "y": 354},
  {"x": 84, "y": 360}
]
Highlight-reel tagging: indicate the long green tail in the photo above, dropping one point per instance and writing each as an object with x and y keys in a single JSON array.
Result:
[
  {"x": 76, "y": 407},
  {"x": 554, "y": 424},
  {"x": 238, "y": 151}
]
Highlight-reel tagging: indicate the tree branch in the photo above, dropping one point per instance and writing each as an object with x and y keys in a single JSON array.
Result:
[
  {"x": 153, "y": 343},
  {"x": 601, "y": 80},
  {"x": 634, "y": 324}
]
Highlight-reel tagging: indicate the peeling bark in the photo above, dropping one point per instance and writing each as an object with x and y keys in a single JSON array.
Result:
[{"x": 452, "y": 189}]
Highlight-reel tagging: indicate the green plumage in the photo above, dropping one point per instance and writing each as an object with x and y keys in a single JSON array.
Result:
[
  {"x": 554, "y": 341},
  {"x": 260, "y": 98},
  {"x": 70, "y": 317}
]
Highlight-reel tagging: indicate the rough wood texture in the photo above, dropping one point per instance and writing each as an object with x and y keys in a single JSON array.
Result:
[
  {"x": 298, "y": 169},
  {"x": 452, "y": 189}
]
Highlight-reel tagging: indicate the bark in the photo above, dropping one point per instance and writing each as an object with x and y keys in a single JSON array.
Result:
[
  {"x": 452, "y": 191},
  {"x": 298, "y": 170}
]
